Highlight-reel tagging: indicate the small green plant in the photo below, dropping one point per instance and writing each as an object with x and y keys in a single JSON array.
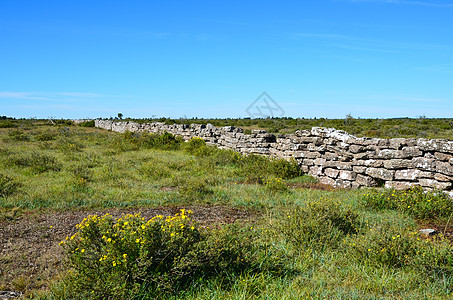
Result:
[
  {"x": 274, "y": 184},
  {"x": 194, "y": 189},
  {"x": 414, "y": 201},
  {"x": 319, "y": 225},
  {"x": 66, "y": 145},
  {"x": 45, "y": 136},
  {"x": 394, "y": 247},
  {"x": 18, "y": 135},
  {"x": 8, "y": 186},
  {"x": 37, "y": 161}
]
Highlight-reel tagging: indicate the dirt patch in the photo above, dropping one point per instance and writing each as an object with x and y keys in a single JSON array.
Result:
[{"x": 29, "y": 251}]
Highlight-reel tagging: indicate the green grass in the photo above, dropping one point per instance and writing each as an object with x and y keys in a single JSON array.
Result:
[{"x": 303, "y": 243}]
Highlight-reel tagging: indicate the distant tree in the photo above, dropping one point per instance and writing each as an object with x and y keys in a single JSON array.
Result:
[{"x": 120, "y": 116}]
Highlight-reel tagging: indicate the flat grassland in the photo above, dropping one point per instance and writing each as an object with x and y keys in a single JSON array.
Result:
[{"x": 230, "y": 226}]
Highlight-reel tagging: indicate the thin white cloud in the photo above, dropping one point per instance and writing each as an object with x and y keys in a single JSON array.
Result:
[
  {"x": 364, "y": 44},
  {"x": 402, "y": 2},
  {"x": 23, "y": 95},
  {"x": 54, "y": 96}
]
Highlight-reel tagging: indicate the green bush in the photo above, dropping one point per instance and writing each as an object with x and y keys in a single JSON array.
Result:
[
  {"x": 318, "y": 225},
  {"x": 414, "y": 201},
  {"x": 67, "y": 144},
  {"x": 45, "y": 136},
  {"x": 195, "y": 146},
  {"x": 394, "y": 247},
  {"x": 274, "y": 184},
  {"x": 155, "y": 170},
  {"x": 130, "y": 257},
  {"x": 132, "y": 141},
  {"x": 8, "y": 186},
  {"x": 87, "y": 124},
  {"x": 8, "y": 124},
  {"x": 37, "y": 161},
  {"x": 18, "y": 135},
  {"x": 194, "y": 189}
]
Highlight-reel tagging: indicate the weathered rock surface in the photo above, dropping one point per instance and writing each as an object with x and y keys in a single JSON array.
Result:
[{"x": 334, "y": 156}]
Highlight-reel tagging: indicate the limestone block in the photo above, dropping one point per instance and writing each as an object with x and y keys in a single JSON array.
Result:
[
  {"x": 444, "y": 168},
  {"x": 422, "y": 163},
  {"x": 442, "y": 177},
  {"x": 398, "y": 185},
  {"x": 345, "y": 184},
  {"x": 347, "y": 175},
  {"x": 327, "y": 180},
  {"x": 315, "y": 171},
  {"x": 333, "y": 173},
  {"x": 364, "y": 180},
  {"x": 359, "y": 169},
  {"x": 443, "y": 156},
  {"x": 411, "y": 174},
  {"x": 380, "y": 173},
  {"x": 397, "y": 164},
  {"x": 435, "y": 184}
]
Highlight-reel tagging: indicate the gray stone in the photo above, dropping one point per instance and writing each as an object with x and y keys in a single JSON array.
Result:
[
  {"x": 444, "y": 167},
  {"x": 333, "y": 173},
  {"x": 347, "y": 175},
  {"x": 442, "y": 177},
  {"x": 397, "y": 164},
  {"x": 443, "y": 156},
  {"x": 327, "y": 180},
  {"x": 380, "y": 173},
  {"x": 428, "y": 231},
  {"x": 407, "y": 174},
  {"x": 398, "y": 185},
  {"x": 435, "y": 184},
  {"x": 359, "y": 169},
  {"x": 364, "y": 180}
]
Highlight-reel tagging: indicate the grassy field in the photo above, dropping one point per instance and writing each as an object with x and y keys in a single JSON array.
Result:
[{"x": 227, "y": 226}]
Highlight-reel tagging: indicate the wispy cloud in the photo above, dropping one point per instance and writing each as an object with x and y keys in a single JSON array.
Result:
[
  {"x": 365, "y": 44},
  {"x": 442, "y": 68},
  {"x": 403, "y": 2},
  {"x": 54, "y": 96}
]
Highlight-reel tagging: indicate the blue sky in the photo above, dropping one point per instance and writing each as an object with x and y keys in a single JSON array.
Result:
[{"x": 370, "y": 59}]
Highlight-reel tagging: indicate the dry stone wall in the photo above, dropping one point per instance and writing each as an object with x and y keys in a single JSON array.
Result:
[{"x": 335, "y": 157}]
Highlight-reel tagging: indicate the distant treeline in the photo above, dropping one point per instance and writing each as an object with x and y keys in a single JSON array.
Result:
[
  {"x": 383, "y": 128},
  {"x": 421, "y": 127}
]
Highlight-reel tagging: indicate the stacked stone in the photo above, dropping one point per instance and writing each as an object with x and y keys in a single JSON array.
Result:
[{"x": 335, "y": 157}]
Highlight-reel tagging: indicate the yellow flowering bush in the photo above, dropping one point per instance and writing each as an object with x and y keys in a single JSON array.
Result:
[{"x": 130, "y": 256}]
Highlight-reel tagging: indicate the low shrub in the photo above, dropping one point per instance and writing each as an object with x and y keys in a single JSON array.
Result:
[
  {"x": 131, "y": 257},
  {"x": 18, "y": 135},
  {"x": 194, "y": 189},
  {"x": 319, "y": 225},
  {"x": 45, "y": 136},
  {"x": 8, "y": 186},
  {"x": 87, "y": 124},
  {"x": 274, "y": 184},
  {"x": 414, "y": 201},
  {"x": 154, "y": 170},
  {"x": 37, "y": 161},
  {"x": 387, "y": 245},
  {"x": 132, "y": 141},
  {"x": 66, "y": 145}
]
